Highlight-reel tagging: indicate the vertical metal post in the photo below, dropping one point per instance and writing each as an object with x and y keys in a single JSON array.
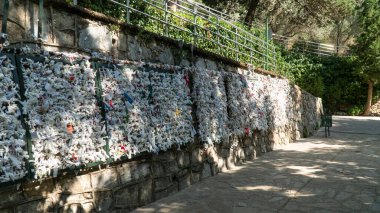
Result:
[
  {"x": 236, "y": 44},
  {"x": 274, "y": 57},
  {"x": 195, "y": 25},
  {"x": 218, "y": 31},
  {"x": 40, "y": 19},
  {"x": 318, "y": 49},
  {"x": 250, "y": 55},
  {"x": 128, "y": 12},
  {"x": 166, "y": 33},
  {"x": 5, "y": 16},
  {"x": 267, "y": 42}
]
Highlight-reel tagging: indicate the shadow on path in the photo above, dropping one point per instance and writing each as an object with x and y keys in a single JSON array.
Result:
[{"x": 337, "y": 174}]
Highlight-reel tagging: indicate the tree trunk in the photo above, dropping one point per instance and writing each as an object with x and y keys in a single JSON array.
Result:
[
  {"x": 339, "y": 27},
  {"x": 251, "y": 12},
  {"x": 367, "y": 110}
]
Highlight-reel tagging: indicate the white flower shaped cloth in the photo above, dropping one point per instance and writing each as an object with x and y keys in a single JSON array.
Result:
[
  {"x": 64, "y": 119},
  {"x": 146, "y": 110},
  {"x": 209, "y": 94},
  {"x": 12, "y": 144}
]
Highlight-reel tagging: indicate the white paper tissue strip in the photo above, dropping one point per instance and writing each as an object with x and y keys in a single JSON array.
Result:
[
  {"x": 146, "y": 110},
  {"x": 64, "y": 118},
  {"x": 211, "y": 103},
  {"x": 12, "y": 145}
]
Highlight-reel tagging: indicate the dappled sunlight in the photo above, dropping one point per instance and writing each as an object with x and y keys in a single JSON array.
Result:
[
  {"x": 176, "y": 206},
  {"x": 305, "y": 170},
  {"x": 259, "y": 188}
]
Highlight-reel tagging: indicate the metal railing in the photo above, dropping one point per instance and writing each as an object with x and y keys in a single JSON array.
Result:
[
  {"x": 310, "y": 47},
  {"x": 203, "y": 27}
]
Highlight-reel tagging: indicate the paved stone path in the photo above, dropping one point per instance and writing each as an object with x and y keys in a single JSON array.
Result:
[{"x": 337, "y": 174}]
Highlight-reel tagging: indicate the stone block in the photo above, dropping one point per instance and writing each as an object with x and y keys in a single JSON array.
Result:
[
  {"x": 196, "y": 156},
  {"x": 182, "y": 173},
  {"x": 164, "y": 193},
  {"x": 38, "y": 189},
  {"x": 195, "y": 177},
  {"x": 31, "y": 207},
  {"x": 225, "y": 153},
  {"x": 95, "y": 37},
  {"x": 122, "y": 42},
  {"x": 247, "y": 141},
  {"x": 164, "y": 156},
  {"x": 162, "y": 183},
  {"x": 103, "y": 201},
  {"x": 196, "y": 167},
  {"x": 183, "y": 159},
  {"x": 184, "y": 63},
  {"x": 221, "y": 164},
  {"x": 211, "y": 65},
  {"x": 158, "y": 169},
  {"x": 225, "y": 143},
  {"x": 184, "y": 181},
  {"x": 73, "y": 198},
  {"x": 240, "y": 154},
  {"x": 133, "y": 171},
  {"x": 230, "y": 162},
  {"x": 200, "y": 63},
  {"x": 206, "y": 171},
  {"x": 88, "y": 207},
  {"x": 147, "y": 54},
  {"x": 170, "y": 167},
  {"x": 75, "y": 184},
  {"x": 17, "y": 33},
  {"x": 63, "y": 20},
  {"x": 145, "y": 192},
  {"x": 104, "y": 179},
  {"x": 212, "y": 156},
  {"x": 127, "y": 196},
  {"x": 72, "y": 208},
  {"x": 64, "y": 38},
  {"x": 134, "y": 50},
  {"x": 166, "y": 57}
]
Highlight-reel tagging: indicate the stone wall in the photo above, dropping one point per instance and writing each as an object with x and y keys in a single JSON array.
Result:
[
  {"x": 125, "y": 185},
  {"x": 375, "y": 109}
]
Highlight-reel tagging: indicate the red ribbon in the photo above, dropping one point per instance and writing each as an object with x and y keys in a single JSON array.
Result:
[
  {"x": 186, "y": 77},
  {"x": 246, "y": 130}
]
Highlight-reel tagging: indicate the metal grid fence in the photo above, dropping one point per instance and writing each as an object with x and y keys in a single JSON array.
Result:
[{"x": 208, "y": 29}]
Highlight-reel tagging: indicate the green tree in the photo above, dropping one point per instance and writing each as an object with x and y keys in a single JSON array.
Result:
[{"x": 367, "y": 48}]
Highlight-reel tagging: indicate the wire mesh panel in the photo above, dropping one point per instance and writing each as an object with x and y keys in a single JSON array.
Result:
[
  {"x": 13, "y": 154},
  {"x": 65, "y": 122},
  {"x": 209, "y": 94},
  {"x": 148, "y": 109}
]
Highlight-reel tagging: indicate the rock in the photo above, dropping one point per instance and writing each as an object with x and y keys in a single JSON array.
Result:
[
  {"x": 96, "y": 37},
  {"x": 195, "y": 177},
  {"x": 184, "y": 181},
  {"x": 352, "y": 205},
  {"x": 75, "y": 184},
  {"x": 103, "y": 200},
  {"x": 170, "y": 167},
  {"x": 162, "y": 183},
  {"x": 145, "y": 191},
  {"x": 104, "y": 179},
  {"x": 206, "y": 171},
  {"x": 166, "y": 57},
  {"x": 133, "y": 171},
  {"x": 183, "y": 159},
  {"x": 127, "y": 196}
]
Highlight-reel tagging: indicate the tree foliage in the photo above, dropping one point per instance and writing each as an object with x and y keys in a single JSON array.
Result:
[
  {"x": 367, "y": 47},
  {"x": 303, "y": 18}
]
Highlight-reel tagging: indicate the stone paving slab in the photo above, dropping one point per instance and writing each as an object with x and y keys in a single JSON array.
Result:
[{"x": 337, "y": 174}]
